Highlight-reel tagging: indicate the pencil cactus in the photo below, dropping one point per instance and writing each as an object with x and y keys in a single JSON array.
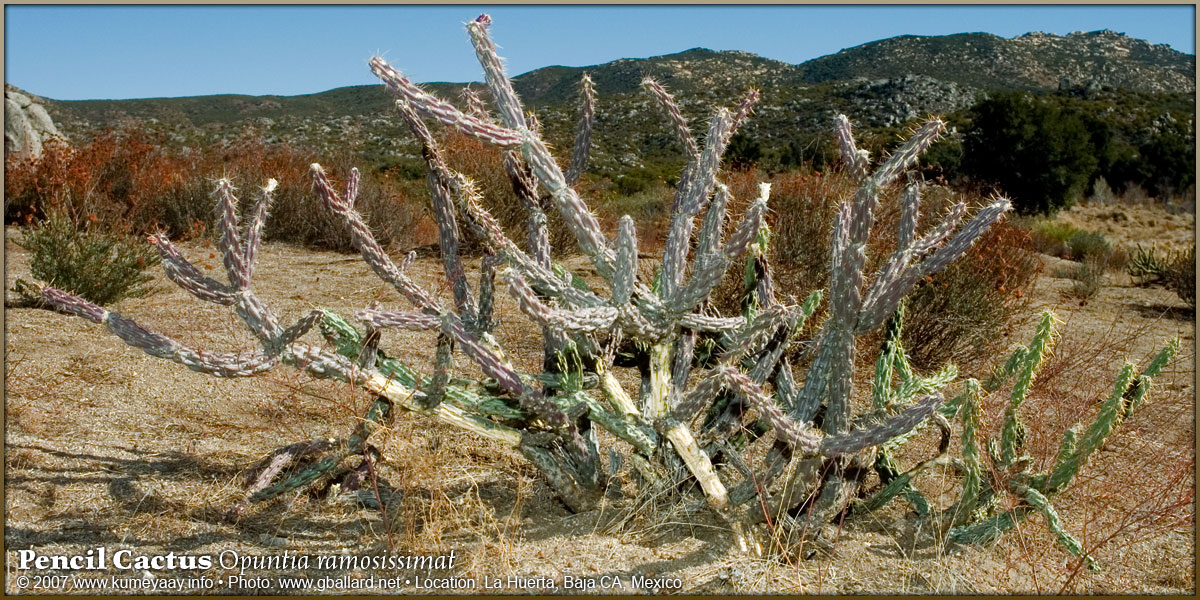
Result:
[{"x": 711, "y": 384}]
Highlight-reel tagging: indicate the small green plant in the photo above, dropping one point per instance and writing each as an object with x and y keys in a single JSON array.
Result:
[
  {"x": 1177, "y": 271},
  {"x": 1147, "y": 264},
  {"x": 1087, "y": 244},
  {"x": 102, "y": 266}
]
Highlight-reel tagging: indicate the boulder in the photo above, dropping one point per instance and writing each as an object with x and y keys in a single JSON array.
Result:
[{"x": 27, "y": 125}]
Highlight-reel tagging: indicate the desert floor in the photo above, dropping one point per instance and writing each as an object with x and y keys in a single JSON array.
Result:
[{"x": 108, "y": 447}]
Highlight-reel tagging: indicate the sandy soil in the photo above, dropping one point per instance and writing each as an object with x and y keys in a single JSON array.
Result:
[{"x": 108, "y": 447}]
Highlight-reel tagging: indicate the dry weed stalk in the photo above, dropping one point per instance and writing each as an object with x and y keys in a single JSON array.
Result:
[{"x": 711, "y": 385}]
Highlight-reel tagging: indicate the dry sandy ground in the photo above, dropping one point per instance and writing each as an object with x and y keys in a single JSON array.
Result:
[{"x": 106, "y": 447}]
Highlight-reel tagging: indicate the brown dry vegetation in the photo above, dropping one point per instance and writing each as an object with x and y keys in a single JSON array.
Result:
[{"x": 106, "y": 446}]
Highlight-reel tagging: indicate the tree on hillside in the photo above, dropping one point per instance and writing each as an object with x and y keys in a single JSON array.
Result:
[{"x": 1042, "y": 153}]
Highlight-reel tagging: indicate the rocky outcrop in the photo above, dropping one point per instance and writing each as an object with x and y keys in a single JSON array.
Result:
[{"x": 27, "y": 125}]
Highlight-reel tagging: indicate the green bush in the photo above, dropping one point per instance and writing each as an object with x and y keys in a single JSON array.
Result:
[
  {"x": 1087, "y": 244},
  {"x": 1072, "y": 243},
  {"x": 101, "y": 266},
  {"x": 1041, "y": 152}
]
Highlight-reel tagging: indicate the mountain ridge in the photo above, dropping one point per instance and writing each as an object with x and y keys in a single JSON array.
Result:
[{"x": 881, "y": 84}]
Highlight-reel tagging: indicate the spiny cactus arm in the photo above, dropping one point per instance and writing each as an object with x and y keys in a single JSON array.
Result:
[
  {"x": 443, "y": 364},
  {"x": 744, "y": 109},
  {"x": 972, "y": 477},
  {"x": 889, "y": 292},
  {"x": 848, "y": 443},
  {"x": 626, "y": 275},
  {"x": 401, "y": 320},
  {"x": 756, "y": 333},
  {"x": 689, "y": 201},
  {"x": 578, "y": 217},
  {"x": 349, "y": 343},
  {"x": 708, "y": 243},
  {"x": 507, "y": 103},
  {"x": 678, "y": 124},
  {"x": 475, "y": 106},
  {"x": 187, "y": 276},
  {"x": 299, "y": 328},
  {"x": 542, "y": 278},
  {"x": 258, "y": 221},
  {"x": 1038, "y": 348},
  {"x": 1035, "y": 499},
  {"x": 230, "y": 244},
  {"x": 806, "y": 439},
  {"x": 441, "y": 183},
  {"x": 369, "y": 248},
  {"x": 703, "y": 171},
  {"x": 630, "y": 428},
  {"x": 924, "y": 385},
  {"x": 487, "y": 291},
  {"x": 588, "y": 320},
  {"x": 221, "y": 364},
  {"x": 881, "y": 392},
  {"x": 856, "y": 160},
  {"x": 525, "y": 185},
  {"x": 990, "y": 530},
  {"x": 910, "y": 212},
  {"x": 938, "y": 235},
  {"x": 575, "y": 213},
  {"x": 705, "y": 277},
  {"x": 495, "y": 367},
  {"x": 699, "y": 397},
  {"x": 816, "y": 379},
  {"x": 906, "y": 155},
  {"x": 1141, "y": 387},
  {"x": 340, "y": 451},
  {"x": 899, "y": 484},
  {"x": 711, "y": 324},
  {"x": 442, "y": 111},
  {"x": 583, "y": 137},
  {"x": 1106, "y": 421},
  {"x": 837, "y": 338}
]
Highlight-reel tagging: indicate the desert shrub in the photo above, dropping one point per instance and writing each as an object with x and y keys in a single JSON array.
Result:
[
  {"x": 1181, "y": 276},
  {"x": 1070, "y": 242},
  {"x": 805, "y": 205},
  {"x": 1088, "y": 277},
  {"x": 1102, "y": 193},
  {"x": 117, "y": 179},
  {"x": 1176, "y": 270},
  {"x": 1084, "y": 244},
  {"x": 97, "y": 264}
]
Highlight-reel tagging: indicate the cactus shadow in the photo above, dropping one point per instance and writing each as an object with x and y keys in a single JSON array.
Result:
[
  {"x": 1163, "y": 311},
  {"x": 134, "y": 488}
]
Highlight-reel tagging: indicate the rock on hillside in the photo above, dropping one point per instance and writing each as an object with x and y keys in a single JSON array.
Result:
[{"x": 27, "y": 125}]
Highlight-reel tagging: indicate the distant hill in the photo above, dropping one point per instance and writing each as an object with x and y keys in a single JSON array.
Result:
[
  {"x": 1032, "y": 61},
  {"x": 883, "y": 84}
]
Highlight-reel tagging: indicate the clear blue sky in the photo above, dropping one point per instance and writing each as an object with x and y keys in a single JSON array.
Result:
[{"x": 90, "y": 52}]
